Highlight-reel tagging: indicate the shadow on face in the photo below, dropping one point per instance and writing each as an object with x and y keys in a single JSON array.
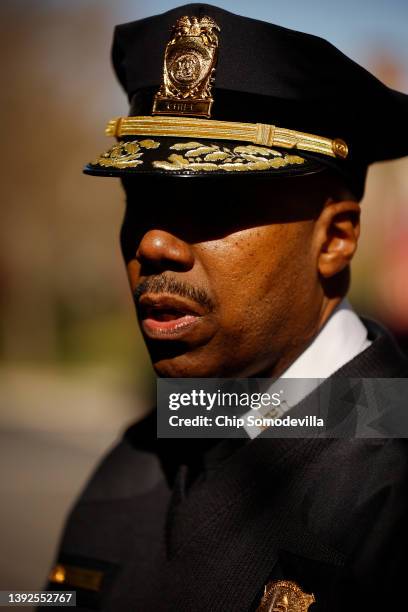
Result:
[{"x": 202, "y": 209}]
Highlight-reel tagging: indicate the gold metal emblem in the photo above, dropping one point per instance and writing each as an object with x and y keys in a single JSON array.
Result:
[
  {"x": 189, "y": 67},
  {"x": 285, "y": 596}
]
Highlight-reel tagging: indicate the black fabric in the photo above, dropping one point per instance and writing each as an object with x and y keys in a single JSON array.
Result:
[{"x": 224, "y": 519}]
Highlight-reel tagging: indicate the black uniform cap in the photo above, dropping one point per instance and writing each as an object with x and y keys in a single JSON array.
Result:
[{"x": 270, "y": 75}]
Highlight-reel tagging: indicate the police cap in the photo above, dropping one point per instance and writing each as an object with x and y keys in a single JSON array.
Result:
[{"x": 212, "y": 93}]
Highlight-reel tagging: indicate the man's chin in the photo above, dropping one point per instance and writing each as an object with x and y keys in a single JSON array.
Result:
[
  {"x": 209, "y": 360},
  {"x": 185, "y": 358},
  {"x": 206, "y": 364},
  {"x": 184, "y": 366}
]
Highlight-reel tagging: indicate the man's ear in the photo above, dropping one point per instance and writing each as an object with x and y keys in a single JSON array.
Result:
[{"x": 337, "y": 232}]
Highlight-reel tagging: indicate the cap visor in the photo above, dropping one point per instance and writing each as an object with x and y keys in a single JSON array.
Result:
[{"x": 182, "y": 157}]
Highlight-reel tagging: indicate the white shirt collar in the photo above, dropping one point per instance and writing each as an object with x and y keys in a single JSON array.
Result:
[{"x": 341, "y": 339}]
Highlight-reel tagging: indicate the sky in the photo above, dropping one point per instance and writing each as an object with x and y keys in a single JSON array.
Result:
[{"x": 355, "y": 26}]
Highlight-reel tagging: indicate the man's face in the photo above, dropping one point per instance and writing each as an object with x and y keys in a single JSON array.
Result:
[{"x": 223, "y": 272}]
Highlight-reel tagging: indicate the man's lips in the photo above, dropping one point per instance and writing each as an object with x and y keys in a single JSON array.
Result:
[{"x": 167, "y": 316}]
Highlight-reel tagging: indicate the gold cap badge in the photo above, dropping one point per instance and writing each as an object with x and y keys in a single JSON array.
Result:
[
  {"x": 189, "y": 67},
  {"x": 284, "y": 596}
]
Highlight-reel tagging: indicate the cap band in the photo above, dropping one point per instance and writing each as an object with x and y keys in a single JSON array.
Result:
[{"x": 257, "y": 133}]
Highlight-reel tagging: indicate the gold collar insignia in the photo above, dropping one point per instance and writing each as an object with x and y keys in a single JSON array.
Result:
[
  {"x": 284, "y": 596},
  {"x": 189, "y": 67},
  {"x": 78, "y": 577}
]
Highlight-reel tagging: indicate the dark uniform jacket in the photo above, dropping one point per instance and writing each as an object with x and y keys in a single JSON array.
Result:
[{"x": 177, "y": 526}]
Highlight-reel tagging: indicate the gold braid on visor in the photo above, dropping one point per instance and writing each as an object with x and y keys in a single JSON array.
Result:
[{"x": 257, "y": 133}]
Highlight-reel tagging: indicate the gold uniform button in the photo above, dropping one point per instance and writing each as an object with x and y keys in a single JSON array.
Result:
[{"x": 340, "y": 148}]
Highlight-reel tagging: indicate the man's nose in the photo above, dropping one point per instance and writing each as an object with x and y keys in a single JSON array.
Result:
[{"x": 164, "y": 251}]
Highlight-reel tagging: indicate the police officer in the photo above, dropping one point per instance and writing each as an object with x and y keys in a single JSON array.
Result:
[{"x": 243, "y": 160}]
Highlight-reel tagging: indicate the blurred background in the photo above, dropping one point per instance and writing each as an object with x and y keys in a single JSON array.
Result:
[{"x": 73, "y": 369}]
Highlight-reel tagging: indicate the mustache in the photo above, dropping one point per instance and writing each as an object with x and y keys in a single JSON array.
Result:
[{"x": 167, "y": 284}]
